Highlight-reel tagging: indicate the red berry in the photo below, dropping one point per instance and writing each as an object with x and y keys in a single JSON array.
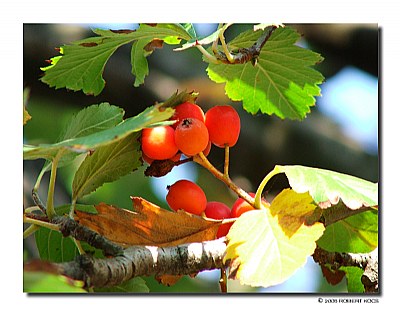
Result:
[
  {"x": 191, "y": 136},
  {"x": 218, "y": 210},
  {"x": 223, "y": 230},
  {"x": 241, "y": 206},
  {"x": 223, "y": 124},
  {"x": 187, "y": 110},
  {"x": 186, "y": 195},
  {"x": 159, "y": 142},
  {"x": 207, "y": 150}
]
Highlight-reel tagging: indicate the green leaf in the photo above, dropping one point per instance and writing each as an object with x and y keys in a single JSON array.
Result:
[
  {"x": 140, "y": 68},
  {"x": 52, "y": 246},
  {"x": 43, "y": 282},
  {"x": 89, "y": 120},
  {"x": 353, "y": 276},
  {"x": 104, "y": 136},
  {"x": 282, "y": 82},
  {"x": 106, "y": 164},
  {"x": 355, "y": 234},
  {"x": 81, "y": 65},
  {"x": 136, "y": 285},
  {"x": 327, "y": 187},
  {"x": 189, "y": 29},
  {"x": 267, "y": 246}
]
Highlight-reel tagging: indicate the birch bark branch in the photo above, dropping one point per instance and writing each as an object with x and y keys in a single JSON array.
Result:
[{"x": 136, "y": 261}]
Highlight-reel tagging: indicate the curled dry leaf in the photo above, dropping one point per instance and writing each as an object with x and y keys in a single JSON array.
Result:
[{"x": 148, "y": 224}]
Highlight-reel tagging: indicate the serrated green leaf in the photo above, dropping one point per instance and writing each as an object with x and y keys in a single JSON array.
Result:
[
  {"x": 282, "y": 82},
  {"x": 88, "y": 121},
  {"x": 327, "y": 187},
  {"x": 355, "y": 234},
  {"x": 262, "y": 251},
  {"x": 135, "y": 285},
  {"x": 106, "y": 164},
  {"x": 140, "y": 68},
  {"x": 81, "y": 65},
  {"x": 149, "y": 116}
]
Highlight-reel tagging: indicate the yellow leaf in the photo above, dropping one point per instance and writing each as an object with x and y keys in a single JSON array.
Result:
[
  {"x": 264, "y": 249},
  {"x": 294, "y": 209}
]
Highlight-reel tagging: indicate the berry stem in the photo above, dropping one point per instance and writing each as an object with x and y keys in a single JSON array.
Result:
[
  {"x": 226, "y": 162},
  {"x": 203, "y": 161}
]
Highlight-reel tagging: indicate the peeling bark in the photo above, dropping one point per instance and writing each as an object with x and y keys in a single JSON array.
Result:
[{"x": 135, "y": 261}]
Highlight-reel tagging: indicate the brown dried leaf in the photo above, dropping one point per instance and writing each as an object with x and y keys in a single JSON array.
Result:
[
  {"x": 149, "y": 224},
  {"x": 155, "y": 43},
  {"x": 333, "y": 277}
]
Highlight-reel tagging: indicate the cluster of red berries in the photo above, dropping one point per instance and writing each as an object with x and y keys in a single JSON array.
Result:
[
  {"x": 189, "y": 197},
  {"x": 192, "y": 133}
]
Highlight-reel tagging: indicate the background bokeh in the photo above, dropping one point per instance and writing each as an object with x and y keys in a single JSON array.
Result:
[{"x": 340, "y": 133}]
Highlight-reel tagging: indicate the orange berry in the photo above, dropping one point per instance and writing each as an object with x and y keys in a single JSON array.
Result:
[
  {"x": 223, "y": 124},
  {"x": 191, "y": 136},
  {"x": 186, "y": 195},
  {"x": 187, "y": 110},
  {"x": 159, "y": 142}
]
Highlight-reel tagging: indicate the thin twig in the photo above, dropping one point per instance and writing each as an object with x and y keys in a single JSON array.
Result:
[
  {"x": 203, "y": 161},
  {"x": 246, "y": 54}
]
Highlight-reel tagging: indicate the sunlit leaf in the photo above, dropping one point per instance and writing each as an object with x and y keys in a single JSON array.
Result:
[
  {"x": 282, "y": 81},
  {"x": 266, "y": 250},
  {"x": 82, "y": 63},
  {"x": 327, "y": 187},
  {"x": 355, "y": 234}
]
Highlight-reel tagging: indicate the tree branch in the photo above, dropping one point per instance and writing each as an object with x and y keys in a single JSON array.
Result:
[
  {"x": 367, "y": 262},
  {"x": 69, "y": 227},
  {"x": 246, "y": 54},
  {"x": 136, "y": 261}
]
